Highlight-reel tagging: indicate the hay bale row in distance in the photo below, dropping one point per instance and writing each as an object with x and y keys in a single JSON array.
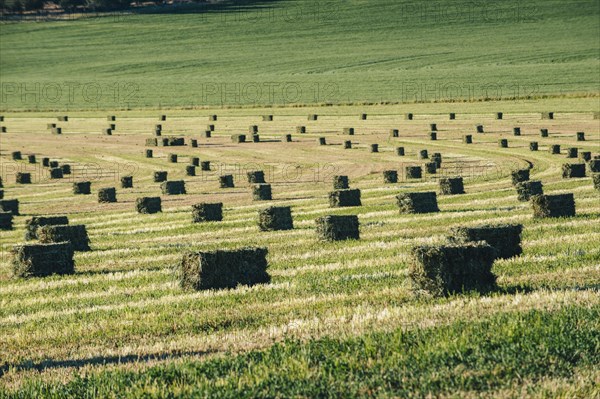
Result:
[
  {"x": 53, "y": 164},
  {"x": 344, "y": 198},
  {"x": 313, "y": 117},
  {"x": 6, "y": 220},
  {"x": 56, "y": 130},
  {"x": 349, "y": 131},
  {"x": 505, "y": 238},
  {"x": 107, "y": 195},
  {"x": 224, "y": 269},
  {"x": 56, "y": 173},
  {"x": 527, "y": 189},
  {"x": 547, "y": 115},
  {"x": 212, "y": 118},
  {"x": 39, "y": 260},
  {"x": 419, "y": 202},
  {"x": 11, "y": 206},
  {"x": 275, "y": 218},
  {"x": 75, "y": 234},
  {"x": 451, "y": 185},
  {"x": 63, "y": 118},
  {"x": 173, "y": 187},
  {"x": 207, "y": 212},
  {"x": 253, "y": 129},
  {"x": 31, "y": 158},
  {"x": 148, "y": 205},
  {"x": 267, "y": 118},
  {"x": 558, "y": 205},
  {"x": 262, "y": 192},
  {"x": 210, "y": 128},
  {"x": 300, "y": 129},
  {"x": 66, "y": 169},
  {"x": 337, "y": 228}
]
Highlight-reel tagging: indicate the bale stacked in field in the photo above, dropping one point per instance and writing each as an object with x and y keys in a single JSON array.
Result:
[
  {"x": 322, "y": 141},
  {"x": 275, "y": 218},
  {"x": 172, "y": 158},
  {"x": 256, "y": 176},
  {"x": 499, "y": 115},
  {"x": 527, "y": 189},
  {"x": 554, "y": 149},
  {"x": 112, "y": 126},
  {"x": 423, "y": 154},
  {"x": 287, "y": 138},
  {"x": 160, "y": 176},
  {"x": 409, "y": 116},
  {"x": 31, "y": 158},
  {"x": 261, "y": 192},
  {"x": 437, "y": 159},
  {"x": 207, "y": 134},
  {"x": 433, "y": 136},
  {"x": 267, "y": 118},
  {"x": 448, "y": 269},
  {"x": 433, "y": 127},
  {"x": 82, "y": 187},
  {"x": 174, "y": 187},
  {"x": 158, "y": 130},
  {"x": 64, "y": 118},
  {"x": 572, "y": 152},
  {"x": 176, "y": 141},
  {"x": 518, "y": 176},
  {"x": 23, "y": 178},
  {"x": 400, "y": 151},
  {"x": 11, "y": 206},
  {"x": 413, "y": 172},
  {"x": 340, "y": 182},
  {"x": 253, "y": 129},
  {"x": 342, "y": 198},
  {"x": 544, "y": 133},
  {"x": 126, "y": 181},
  {"x": 148, "y": 205},
  {"x": 66, "y": 169},
  {"x": 479, "y": 128},
  {"x": 32, "y": 225},
  {"x": 162, "y": 118},
  {"x": 165, "y": 142},
  {"x": 374, "y": 147},
  {"x": 468, "y": 139},
  {"x": 505, "y": 238},
  {"x": 210, "y": 128},
  {"x": 300, "y": 129},
  {"x": 451, "y": 185},
  {"x": 151, "y": 142},
  {"x": 596, "y": 181},
  {"x": 390, "y": 176},
  {"x": 394, "y": 133},
  {"x": 1, "y": 194},
  {"x": 206, "y": 212},
  {"x": 452, "y": 116},
  {"x": 516, "y": 131},
  {"x": 6, "y": 220},
  {"x": 190, "y": 170},
  {"x": 430, "y": 167},
  {"x": 580, "y": 136},
  {"x": 56, "y": 173},
  {"x": 56, "y": 130},
  {"x": 16, "y": 156},
  {"x": 573, "y": 170},
  {"x": 45, "y": 162},
  {"x": 111, "y": 118},
  {"x": 107, "y": 194},
  {"x": 224, "y": 269},
  {"x": 424, "y": 202},
  {"x": 194, "y": 143},
  {"x": 195, "y": 161},
  {"x": 363, "y": 117},
  {"x": 2, "y": 129},
  {"x": 238, "y": 138},
  {"x": 503, "y": 143},
  {"x": 1, "y": 184},
  {"x": 50, "y": 126},
  {"x": 107, "y": 131},
  {"x": 585, "y": 155},
  {"x": 347, "y": 144},
  {"x": 38, "y": 260},
  {"x": 559, "y": 205},
  {"x": 547, "y": 115},
  {"x": 338, "y": 228},
  {"x": 349, "y": 131},
  {"x": 226, "y": 181},
  {"x": 149, "y": 153},
  {"x": 75, "y": 234},
  {"x": 256, "y": 138},
  {"x": 313, "y": 117},
  {"x": 212, "y": 117},
  {"x": 205, "y": 165},
  {"x": 533, "y": 146},
  {"x": 594, "y": 165}
]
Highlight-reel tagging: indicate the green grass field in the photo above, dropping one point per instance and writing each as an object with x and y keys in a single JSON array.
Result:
[{"x": 338, "y": 319}]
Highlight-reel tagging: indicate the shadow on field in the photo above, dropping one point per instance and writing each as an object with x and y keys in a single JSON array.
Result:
[{"x": 97, "y": 361}]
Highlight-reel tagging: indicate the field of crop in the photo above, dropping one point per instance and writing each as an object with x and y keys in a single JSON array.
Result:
[{"x": 338, "y": 319}]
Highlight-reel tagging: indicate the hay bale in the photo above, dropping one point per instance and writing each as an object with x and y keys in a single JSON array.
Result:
[
  {"x": 238, "y": 138},
  {"x": 66, "y": 169},
  {"x": 160, "y": 176},
  {"x": 56, "y": 130},
  {"x": 111, "y": 118},
  {"x": 300, "y": 129},
  {"x": 313, "y": 117},
  {"x": 267, "y": 118},
  {"x": 173, "y": 187},
  {"x": 275, "y": 218},
  {"x": 207, "y": 134},
  {"x": 224, "y": 269},
  {"x": 16, "y": 155},
  {"x": 50, "y": 126},
  {"x": 149, "y": 153},
  {"x": 451, "y": 185},
  {"x": 162, "y": 118},
  {"x": 448, "y": 269},
  {"x": 207, "y": 212},
  {"x": 533, "y": 146},
  {"x": 479, "y": 128},
  {"x": 56, "y": 173},
  {"x": 2, "y": 129},
  {"x": 322, "y": 141},
  {"x": 349, "y": 131},
  {"x": 127, "y": 182},
  {"x": 82, "y": 187},
  {"x": 343, "y": 198},
  {"x": 205, "y": 166},
  {"x": 433, "y": 127},
  {"x": 226, "y": 181},
  {"x": 1, "y": 194},
  {"x": 255, "y": 138},
  {"x": 63, "y": 118},
  {"x": 1, "y": 184},
  {"x": 400, "y": 151},
  {"x": 573, "y": 170},
  {"x": 148, "y": 205},
  {"x": 151, "y": 142},
  {"x": 172, "y": 158},
  {"x": 11, "y": 206},
  {"x": 261, "y": 192},
  {"x": 157, "y": 132},
  {"x": 53, "y": 164},
  {"x": 390, "y": 176},
  {"x": 572, "y": 152},
  {"x": 559, "y": 205},
  {"x": 46, "y": 162},
  {"x": 527, "y": 189},
  {"x": 75, "y": 234},
  {"x": 437, "y": 158},
  {"x": 107, "y": 131},
  {"x": 31, "y": 158},
  {"x": 580, "y": 136},
  {"x": 164, "y": 142},
  {"x": 518, "y": 176},
  {"x": 363, "y": 117},
  {"x": 423, "y": 154},
  {"x": 212, "y": 118},
  {"x": 423, "y": 202},
  {"x": 23, "y": 178},
  {"x": 194, "y": 143},
  {"x": 340, "y": 182},
  {"x": 195, "y": 161},
  {"x": 39, "y": 260},
  {"x": 158, "y": 127},
  {"x": 499, "y": 115},
  {"x": 338, "y": 228},
  {"x": 503, "y": 143},
  {"x": 253, "y": 129},
  {"x": 544, "y": 133},
  {"x": 6, "y": 221},
  {"x": 394, "y": 133},
  {"x": 585, "y": 155},
  {"x": 107, "y": 194},
  {"x": 414, "y": 172},
  {"x": 287, "y": 138},
  {"x": 409, "y": 116},
  {"x": 176, "y": 141},
  {"x": 452, "y": 116},
  {"x": 516, "y": 131},
  {"x": 596, "y": 181},
  {"x": 190, "y": 170},
  {"x": 554, "y": 149},
  {"x": 594, "y": 165},
  {"x": 347, "y": 144},
  {"x": 112, "y": 126},
  {"x": 374, "y": 147},
  {"x": 210, "y": 128},
  {"x": 547, "y": 115},
  {"x": 32, "y": 225},
  {"x": 505, "y": 238},
  {"x": 431, "y": 167}
]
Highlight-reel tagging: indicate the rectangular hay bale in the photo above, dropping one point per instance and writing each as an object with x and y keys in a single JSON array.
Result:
[
  {"x": 343, "y": 198},
  {"x": 338, "y": 228},
  {"x": 82, "y": 187},
  {"x": 262, "y": 192},
  {"x": 226, "y": 181},
  {"x": 107, "y": 195},
  {"x": 148, "y": 205},
  {"x": 207, "y": 212},
  {"x": 527, "y": 189},
  {"x": 39, "y": 260},
  {"x": 505, "y": 238},
  {"x": 421, "y": 202},
  {"x": 11, "y": 206},
  {"x": 75, "y": 234},
  {"x": 6, "y": 220},
  {"x": 573, "y": 170},
  {"x": 173, "y": 187},
  {"x": 558, "y": 205},
  {"x": 275, "y": 218},
  {"x": 451, "y": 185},
  {"x": 32, "y": 225}
]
